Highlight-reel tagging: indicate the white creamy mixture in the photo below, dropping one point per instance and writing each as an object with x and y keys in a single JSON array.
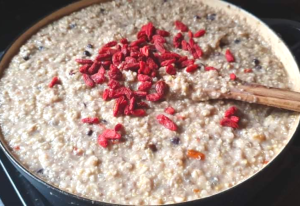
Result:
[{"x": 43, "y": 125}]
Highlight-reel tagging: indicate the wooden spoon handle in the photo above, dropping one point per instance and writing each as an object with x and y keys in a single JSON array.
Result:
[{"x": 266, "y": 96}]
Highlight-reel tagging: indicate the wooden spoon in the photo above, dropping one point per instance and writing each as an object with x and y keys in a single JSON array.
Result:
[{"x": 273, "y": 97}]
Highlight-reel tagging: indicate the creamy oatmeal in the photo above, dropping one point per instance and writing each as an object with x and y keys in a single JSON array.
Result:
[{"x": 151, "y": 163}]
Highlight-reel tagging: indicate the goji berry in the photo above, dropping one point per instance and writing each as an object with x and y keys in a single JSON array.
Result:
[
  {"x": 94, "y": 68},
  {"x": 191, "y": 68},
  {"x": 208, "y": 68},
  {"x": 84, "y": 68},
  {"x": 90, "y": 120},
  {"x": 168, "y": 62},
  {"x": 84, "y": 61},
  {"x": 199, "y": 33},
  {"x": 143, "y": 78},
  {"x": 232, "y": 76},
  {"x": 114, "y": 73},
  {"x": 119, "y": 127},
  {"x": 53, "y": 82},
  {"x": 102, "y": 141},
  {"x": 170, "y": 110},
  {"x": 166, "y": 122},
  {"x": 162, "y": 33},
  {"x": 88, "y": 80},
  {"x": 170, "y": 69},
  {"x": 138, "y": 112},
  {"x": 160, "y": 87},
  {"x": 99, "y": 77},
  {"x": 190, "y": 34},
  {"x": 231, "y": 111},
  {"x": 181, "y": 26},
  {"x": 177, "y": 40},
  {"x": 229, "y": 56},
  {"x": 153, "y": 97},
  {"x": 145, "y": 86},
  {"x": 110, "y": 44},
  {"x": 106, "y": 94},
  {"x": 111, "y": 134},
  {"x": 113, "y": 84},
  {"x": 227, "y": 122}
]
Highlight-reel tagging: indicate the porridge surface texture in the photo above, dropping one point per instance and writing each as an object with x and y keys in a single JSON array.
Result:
[{"x": 43, "y": 127}]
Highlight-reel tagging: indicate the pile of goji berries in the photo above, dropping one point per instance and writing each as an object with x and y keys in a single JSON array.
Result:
[{"x": 144, "y": 56}]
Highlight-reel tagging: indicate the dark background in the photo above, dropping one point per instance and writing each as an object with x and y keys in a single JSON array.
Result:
[{"x": 16, "y": 16}]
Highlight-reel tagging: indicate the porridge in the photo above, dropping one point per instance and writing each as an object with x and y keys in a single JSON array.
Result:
[{"x": 109, "y": 102}]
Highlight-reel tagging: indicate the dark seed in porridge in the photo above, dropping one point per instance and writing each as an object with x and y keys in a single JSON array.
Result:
[
  {"x": 72, "y": 72},
  {"x": 152, "y": 147},
  {"x": 196, "y": 17},
  {"x": 256, "y": 62},
  {"x": 73, "y": 25},
  {"x": 103, "y": 121},
  {"x": 90, "y": 46},
  {"x": 84, "y": 104},
  {"x": 90, "y": 132},
  {"x": 258, "y": 67},
  {"x": 40, "y": 171},
  {"x": 41, "y": 48},
  {"x": 87, "y": 53},
  {"x": 175, "y": 140},
  {"x": 237, "y": 41},
  {"x": 26, "y": 58},
  {"x": 211, "y": 17},
  {"x": 102, "y": 10}
]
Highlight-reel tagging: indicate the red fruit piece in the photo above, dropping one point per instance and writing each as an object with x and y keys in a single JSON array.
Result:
[
  {"x": 140, "y": 94},
  {"x": 114, "y": 73},
  {"x": 94, "y": 68},
  {"x": 117, "y": 58},
  {"x": 84, "y": 68},
  {"x": 187, "y": 63},
  {"x": 158, "y": 39},
  {"x": 166, "y": 122},
  {"x": 110, "y": 44},
  {"x": 143, "y": 78},
  {"x": 151, "y": 64},
  {"x": 145, "y": 51},
  {"x": 162, "y": 33},
  {"x": 199, "y": 51},
  {"x": 167, "y": 62},
  {"x": 185, "y": 45},
  {"x": 142, "y": 104},
  {"x": 132, "y": 103},
  {"x": 149, "y": 30},
  {"x": 145, "y": 86},
  {"x": 99, "y": 77},
  {"x": 153, "y": 97},
  {"x": 170, "y": 110},
  {"x": 231, "y": 111},
  {"x": 229, "y": 56},
  {"x": 226, "y": 122},
  {"x": 191, "y": 68},
  {"x": 53, "y": 82},
  {"x": 132, "y": 66},
  {"x": 138, "y": 42},
  {"x": 199, "y": 33},
  {"x": 113, "y": 84},
  {"x": 160, "y": 88},
  {"x": 91, "y": 120},
  {"x": 88, "y": 80},
  {"x": 102, "y": 141},
  {"x": 170, "y": 69},
  {"x": 181, "y": 26},
  {"x": 235, "y": 119},
  {"x": 106, "y": 94},
  {"x": 247, "y": 70},
  {"x": 103, "y": 57},
  {"x": 160, "y": 47},
  {"x": 207, "y": 68},
  {"x": 190, "y": 34},
  {"x": 120, "y": 104},
  {"x": 119, "y": 127},
  {"x": 111, "y": 134},
  {"x": 232, "y": 76},
  {"x": 84, "y": 61},
  {"x": 139, "y": 112},
  {"x": 124, "y": 41},
  {"x": 177, "y": 40}
]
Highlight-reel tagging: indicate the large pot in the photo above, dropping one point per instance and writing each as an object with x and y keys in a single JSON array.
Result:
[{"x": 236, "y": 195}]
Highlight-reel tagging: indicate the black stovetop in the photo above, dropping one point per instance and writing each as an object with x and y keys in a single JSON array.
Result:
[{"x": 16, "y": 16}]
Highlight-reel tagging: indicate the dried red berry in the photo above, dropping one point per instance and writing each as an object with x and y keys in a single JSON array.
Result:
[
  {"x": 114, "y": 73},
  {"x": 53, "y": 82},
  {"x": 84, "y": 61},
  {"x": 88, "y": 80},
  {"x": 192, "y": 68},
  {"x": 124, "y": 41},
  {"x": 184, "y": 45},
  {"x": 99, "y": 77},
  {"x": 177, "y": 40},
  {"x": 232, "y": 76},
  {"x": 187, "y": 63},
  {"x": 113, "y": 84},
  {"x": 162, "y": 33},
  {"x": 248, "y": 70},
  {"x": 145, "y": 86},
  {"x": 142, "y": 104},
  {"x": 143, "y": 78},
  {"x": 229, "y": 56},
  {"x": 119, "y": 127},
  {"x": 91, "y": 120},
  {"x": 84, "y": 68},
  {"x": 160, "y": 47},
  {"x": 117, "y": 58},
  {"x": 140, "y": 94},
  {"x": 160, "y": 88},
  {"x": 226, "y": 122},
  {"x": 110, "y": 44},
  {"x": 170, "y": 110},
  {"x": 166, "y": 122},
  {"x": 132, "y": 66},
  {"x": 103, "y": 57},
  {"x": 181, "y": 26},
  {"x": 158, "y": 39},
  {"x": 170, "y": 69},
  {"x": 139, "y": 112},
  {"x": 231, "y": 111},
  {"x": 199, "y": 33},
  {"x": 149, "y": 30},
  {"x": 235, "y": 119},
  {"x": 153, "y": 97},
  {"x": 106, "y": 94},
  {"x": 145, "y": 51},
  {"x": 190, "y": 34},
  {"x": 111, "y": 134},
  {"x": 102, "y": 141},
  {"x": 167, "y": 62}
]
